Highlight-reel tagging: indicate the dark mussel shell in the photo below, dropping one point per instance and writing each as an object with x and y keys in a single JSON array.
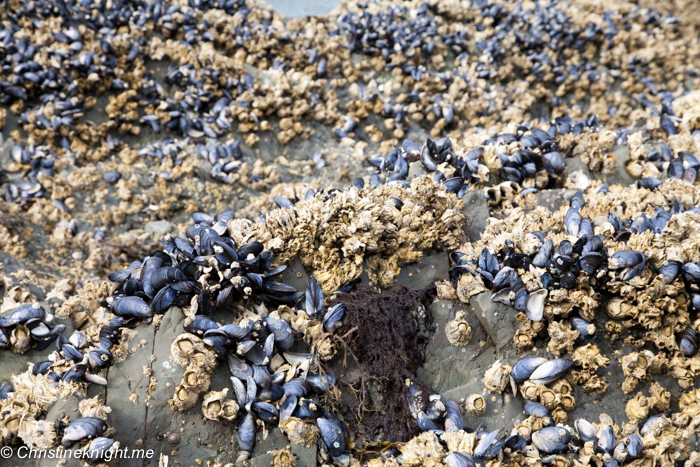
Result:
[
  {"x": 524, "y": 367},
  {"x": 688, "y": 344},
  {"x": 131, "y": 307},
  {"x": 459, "y": 459},
  {"x": 333, "y": 436},
  {"x": 83, "y": 428},
  {"x": 453, "y": 417}
]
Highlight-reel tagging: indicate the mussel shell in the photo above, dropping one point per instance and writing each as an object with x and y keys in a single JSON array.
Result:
[
  {"x": 485, "y": 443},
  {"x": 606, "y": 439},
  {"x": 288, "y": 407},
  {"x": 537, "y": 409},
  {"x": 83, "y": 428},
  {"x": 333, "y": 436},
  {"x": 453, "y": 417},
  {"x": 550, "y": 371},
  {"x": 21, "y": 315},
  {"x": 131, "y": 307},
  {"x": 199, "y": 325},
  {"x": 534, "y": 307},
  {"x": 524, "y": 367},
  {"x": 245, "y": 434},
  {"x": 297, "y": 387},
  {"x": 333, "y": 317},
  {"x": 625, "y": 259},
  {"x": 586, "y": 430},
  {"x": 551, "y": 439},
  {"x": 426, "y": 424},
  {"x": 459, "y": 459},
  {"x": 634, "y": 446},
  {"x": 266, "y": 412}
]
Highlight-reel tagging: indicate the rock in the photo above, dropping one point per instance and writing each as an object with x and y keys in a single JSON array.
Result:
[
  {"x": 497, "y": 319},
  {"x": 159, "y": 227},
  {"x": 69, "y": 407},
  {"x": 420, "y": 275},
  {"x": 621, "y": 176},
  {"x": 128, "y": 380},
  {"x": 457, "y": 372},
  {"x": 200, "y": 440},
  {"x": 295, "y": 275},
  {"x": 554, "y": 199},
  {"x": 477, "y": 213},
  {"x": 416, "y": 168}
]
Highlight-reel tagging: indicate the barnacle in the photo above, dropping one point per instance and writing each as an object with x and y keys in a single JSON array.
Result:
[
  {"x": 216, "y": 406},
  {"x": 496, "y": 377},
  {"x": 423, "y": 450},
  {"x": 475, "y": 405},
  {"x": 458, "y": 331},
  {"x": 300, "y": 431},
  {"x": 188, "y": 349}
]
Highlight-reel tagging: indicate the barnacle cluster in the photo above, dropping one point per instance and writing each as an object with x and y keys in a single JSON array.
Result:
[{"x": 348, "y": 142}]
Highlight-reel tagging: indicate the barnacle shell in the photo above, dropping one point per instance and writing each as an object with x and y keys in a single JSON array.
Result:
[
  {"x": 459, "y": 441},
  {"x": 424, "y": 450},
  {"x": 562, "y": 338},
  {"x": 283, "y": 458},
  {"x": 196, "y": 379},
  {"x": 37, "y": 434},
  {"x": 475, "y": 405},
  {"x": 21, "y": 339},
  {"x": 638, "y": 407},
  {"x": 215, "y": 406},
  {"x": 458, "y": 330},
  {"x": 188, "y": 349},
  {"x": 93, "y": 407},
  {"x": 183, "y": 398},
  {"x": 497, "y": 377},
  {"x": 300, "y": 431}
]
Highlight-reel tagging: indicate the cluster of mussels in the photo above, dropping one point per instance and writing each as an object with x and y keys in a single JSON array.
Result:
[{"x": 207, "y": 271}]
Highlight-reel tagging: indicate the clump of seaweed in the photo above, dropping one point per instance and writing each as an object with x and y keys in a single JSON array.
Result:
[{"x": 386, "y": 333}]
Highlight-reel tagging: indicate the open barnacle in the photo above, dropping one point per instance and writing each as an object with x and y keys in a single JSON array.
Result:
[
  {"x": 183, "y": 398},
  {"x": 196, "y": 379},
  {"x": 188, "y": 349},
  {"x": 475, "y": 405},
  {"x": 458, "y": 331},
  {"x": 216, "y": 406}
]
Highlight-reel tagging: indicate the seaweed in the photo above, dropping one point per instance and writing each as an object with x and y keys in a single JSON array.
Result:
[{"x": 386, "y": 333}]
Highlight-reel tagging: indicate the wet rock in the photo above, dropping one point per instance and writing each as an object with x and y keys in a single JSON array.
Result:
[
  {"x": 159, "y": 227},
  {"x": 621, "y": 176},
  {"x": 421, "y": 274},
  {"x": 554, "y": 199},
  {"x": 295, "y": 275},
  {"x": 457, "y": 372},
  {"x": 477, "y": 213},
  {"x": 497, "y": 319},
  {"x": 128, "y": 391},
  {"x": 199, "y": 439},
  {"x": 416, "y": 168}
]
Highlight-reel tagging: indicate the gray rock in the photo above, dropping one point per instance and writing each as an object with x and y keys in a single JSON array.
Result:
[
  {"x": 477, "y": 213},
  {"x": 457, "y": 372},
  {"x": 276, "y": 440},
  {"x": 554, "y": 199},
  {"x": 621, "y": 176},
  {"x": 200, "y": 439},
  {"x": 159, "y": 227},
  {"x": 295, "y": 275},
  {"x": 127, "y": 379},
  {"x": 420, "y": 275},
  {"x": 416, "y": 168},
  {"x": 497, "y": 319}
]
